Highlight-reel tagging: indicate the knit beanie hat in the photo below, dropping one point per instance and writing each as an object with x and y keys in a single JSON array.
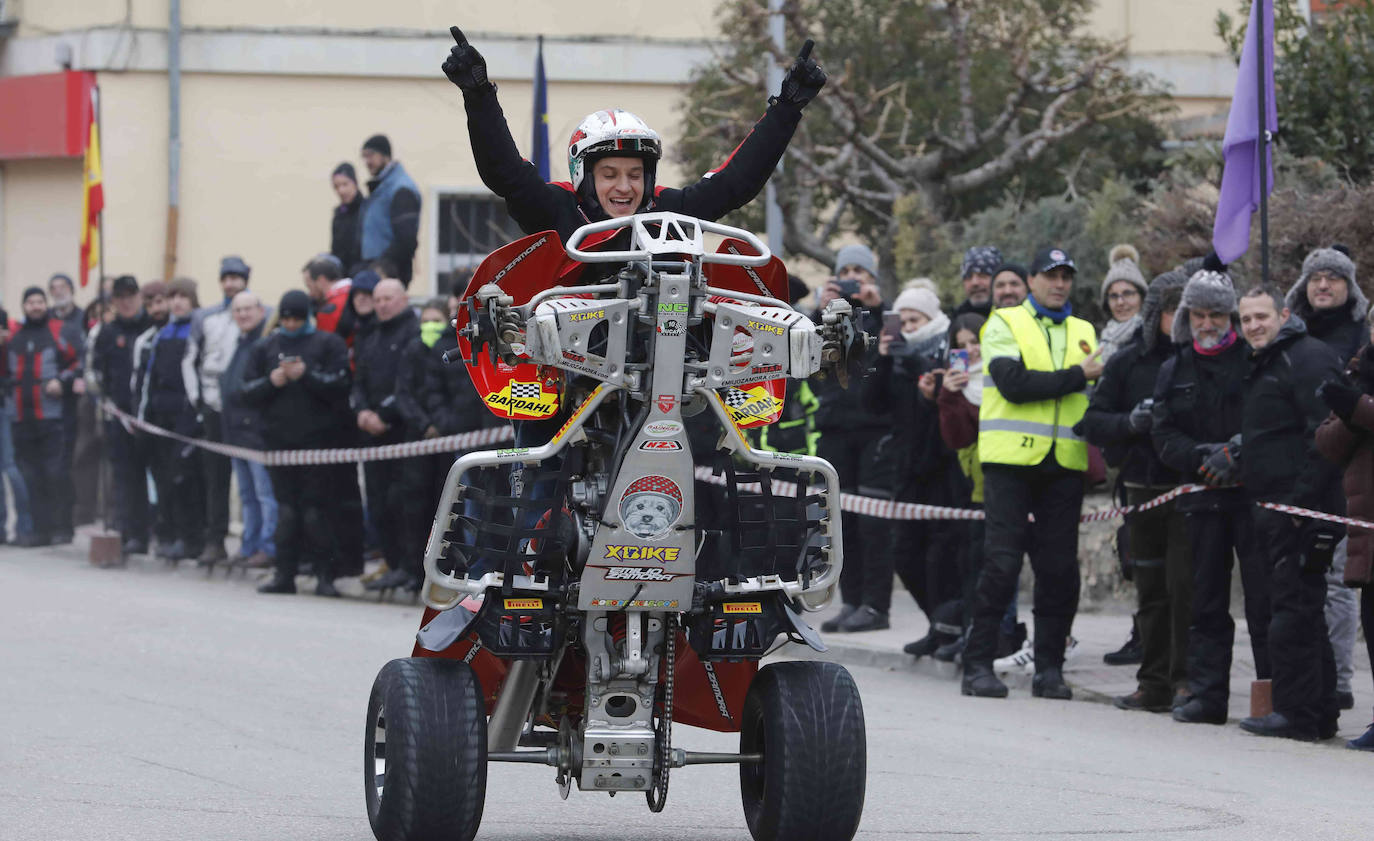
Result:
[
  {"x": 345, "y": 169},
  {"x": 980, "y": 259},
  {"x": 294, "y": 304},
  {"x": 1125, "y": 265},
  {"x": 1335, "y": 260},
  {"x": 1209, "y": 291},
  {"x": 1015, "y": 268},
  {"x": 153, "y": 289},
  {"x": 34, "y": 290},
  {"x": 856, "y": 255},
  {"x": 1153, "y": 308},
  {"x": 365, "y": 281},
  {"x": 920, "y": 298},
  {"x": 378, "y": 143}
]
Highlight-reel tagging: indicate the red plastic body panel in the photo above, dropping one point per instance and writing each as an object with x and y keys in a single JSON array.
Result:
[{"x": 695, "y": 699}]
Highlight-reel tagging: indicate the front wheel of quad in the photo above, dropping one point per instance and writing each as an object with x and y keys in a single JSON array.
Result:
[
  {"x": 807, "y": 721},
  {"x": 425, "y": 759}
]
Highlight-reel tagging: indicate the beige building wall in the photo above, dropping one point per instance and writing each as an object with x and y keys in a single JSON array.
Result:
[{"x": 276, "y": 92}]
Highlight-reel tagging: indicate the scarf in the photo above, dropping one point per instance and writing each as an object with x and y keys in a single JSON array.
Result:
[
  {"x": 939, "y": 325},
  {"x": 973, "y": 392},
  {"x": 1226, "y": 341},
  {"x": 430, "y": 331},
  {"x": 1057, "y": 316},
  {"x": 1117, "y": 333}
]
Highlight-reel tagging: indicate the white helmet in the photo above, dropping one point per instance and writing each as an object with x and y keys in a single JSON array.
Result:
[{"x": 611, "y": 132}]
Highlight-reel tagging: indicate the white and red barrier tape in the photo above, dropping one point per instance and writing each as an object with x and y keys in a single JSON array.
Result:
[
  {"x": 892, "y": 510},
  {"x": 885, "y": 509},
  {"x": 348, "y": 455}
]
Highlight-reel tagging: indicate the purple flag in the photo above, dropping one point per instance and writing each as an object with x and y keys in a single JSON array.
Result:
[{"x": 1240, "y": 177}]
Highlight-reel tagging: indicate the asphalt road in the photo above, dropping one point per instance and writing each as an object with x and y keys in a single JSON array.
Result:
[{"x": 150, "y": 704}]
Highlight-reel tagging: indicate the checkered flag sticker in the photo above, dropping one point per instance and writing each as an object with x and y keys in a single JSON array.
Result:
[
  {"x": 734, "y": 398},
  {"x": 526, "y": 390}
]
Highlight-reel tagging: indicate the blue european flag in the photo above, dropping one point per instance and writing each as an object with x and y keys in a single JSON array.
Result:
[{"x": 539, "y": 146}]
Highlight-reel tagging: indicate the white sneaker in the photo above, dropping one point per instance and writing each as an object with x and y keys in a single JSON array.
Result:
[{"x": 1023, "y": 660}]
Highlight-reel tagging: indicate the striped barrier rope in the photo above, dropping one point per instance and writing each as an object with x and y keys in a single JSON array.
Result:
[
  {"x": 346, "y": 455},
  {"x": 885, "y": 509}
]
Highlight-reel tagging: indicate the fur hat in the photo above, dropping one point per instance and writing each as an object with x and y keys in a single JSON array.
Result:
[
  {"x": 856, "y": 255},
  {"x": 1125, "y": 265},
  {"x": 982, "y": 259},
  {"x": 921, "y": 298},
  {"x": 1153, "y": 308},
  {"x": 1206, "y": 290},
  {"x": 1335, "y": 260}
]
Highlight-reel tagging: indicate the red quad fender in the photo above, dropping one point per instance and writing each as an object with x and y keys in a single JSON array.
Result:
[
  {"x": 537, "y": 262},
  {"x": 707, "y": 695}
]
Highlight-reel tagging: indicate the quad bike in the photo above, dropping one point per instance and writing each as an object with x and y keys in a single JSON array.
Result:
[{"x": 584, "y": 589}]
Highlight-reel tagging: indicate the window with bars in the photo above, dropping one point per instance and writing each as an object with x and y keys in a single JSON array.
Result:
[{"x": 471, "y": 226}]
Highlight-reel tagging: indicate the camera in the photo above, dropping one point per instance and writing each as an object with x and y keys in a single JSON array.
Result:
[{"x": 849, "y": 287}]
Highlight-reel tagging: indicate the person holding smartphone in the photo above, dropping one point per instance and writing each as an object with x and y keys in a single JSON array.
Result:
[
  {"x": 911, "y": 464},
  {"x": 298, "y": 378}
]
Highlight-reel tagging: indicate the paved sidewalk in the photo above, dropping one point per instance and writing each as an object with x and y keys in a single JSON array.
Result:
[{"x": 1091, "y": 679}]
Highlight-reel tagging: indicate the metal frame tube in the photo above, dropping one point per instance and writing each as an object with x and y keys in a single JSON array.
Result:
[{"x": 512, "y": 707}]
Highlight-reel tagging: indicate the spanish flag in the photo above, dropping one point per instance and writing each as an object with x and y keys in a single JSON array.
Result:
[{"x": 92, "y": 200}]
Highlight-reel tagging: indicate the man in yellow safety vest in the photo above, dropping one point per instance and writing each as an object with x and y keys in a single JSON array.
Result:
[{"x": 1038, "y": 360}]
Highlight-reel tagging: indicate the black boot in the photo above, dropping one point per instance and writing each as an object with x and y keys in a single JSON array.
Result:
[
  {"x": 1278, "y": 725},
  {"x": 832, "y": 624},
  {"x": 1131, "y": 653},
  {"x": 279, "y": 584},
  {"x": 980, "y": 682},
  {"x": 325, "y": 587},
  {"x": 1049, "y": 683}
]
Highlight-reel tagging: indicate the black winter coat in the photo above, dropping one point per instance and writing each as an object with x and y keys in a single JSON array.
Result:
[
  {"x": 912, "y": 451},
  {"x": 1129, "y": 377},
  {"x": 1339, "y": 331},
  {"x": 112, "y": 358},
  {"x": 242, "y": 422},
  {"x": 1279, "y": 459},
  {"x": 450, "y": 398},
  {"x": 1200, "y": 400},
  {"x": 346, "y": 235},
  {"x": 312, "y": 412},
  {"x": 377, "y": 369}
]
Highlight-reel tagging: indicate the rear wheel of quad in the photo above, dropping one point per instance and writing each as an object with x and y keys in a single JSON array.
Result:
[
  {"x": 806, "y": 719},
  {"x": 425, "y": 758}
]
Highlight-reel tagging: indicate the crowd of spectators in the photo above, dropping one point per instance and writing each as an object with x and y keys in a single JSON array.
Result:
[{"x": 1011, "y": 404}]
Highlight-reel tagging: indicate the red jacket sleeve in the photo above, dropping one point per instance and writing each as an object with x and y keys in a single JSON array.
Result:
[{"x": 958, "y": 420}]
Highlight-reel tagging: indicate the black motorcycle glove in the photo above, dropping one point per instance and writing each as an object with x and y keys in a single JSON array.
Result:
[
  {"x": 1341, "y": 398},
  {"x": 465, "y": 67},
  {"x": 1142, "y": 417},
  {"x": 804, "y": 79}
]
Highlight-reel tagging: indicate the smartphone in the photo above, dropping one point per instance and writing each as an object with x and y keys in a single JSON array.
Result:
[
  {"x": 958, "y": 361},
  {"x": 849, "y": 287},
  {"x": 281, "y": 357},
  {"x": 892, "y": 326}
]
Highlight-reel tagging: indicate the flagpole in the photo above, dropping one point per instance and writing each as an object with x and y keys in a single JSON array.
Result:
[{"x": 1263, "y": 146}]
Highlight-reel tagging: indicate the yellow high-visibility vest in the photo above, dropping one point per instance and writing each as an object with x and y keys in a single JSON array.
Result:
[{"x": 1022, "y": 434}]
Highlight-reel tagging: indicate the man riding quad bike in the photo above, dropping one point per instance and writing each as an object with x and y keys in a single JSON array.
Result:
[{"x": 578, "y": 601}]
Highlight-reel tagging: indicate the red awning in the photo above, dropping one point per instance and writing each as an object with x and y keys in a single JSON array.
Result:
[{"x": 45, "y": 116}]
